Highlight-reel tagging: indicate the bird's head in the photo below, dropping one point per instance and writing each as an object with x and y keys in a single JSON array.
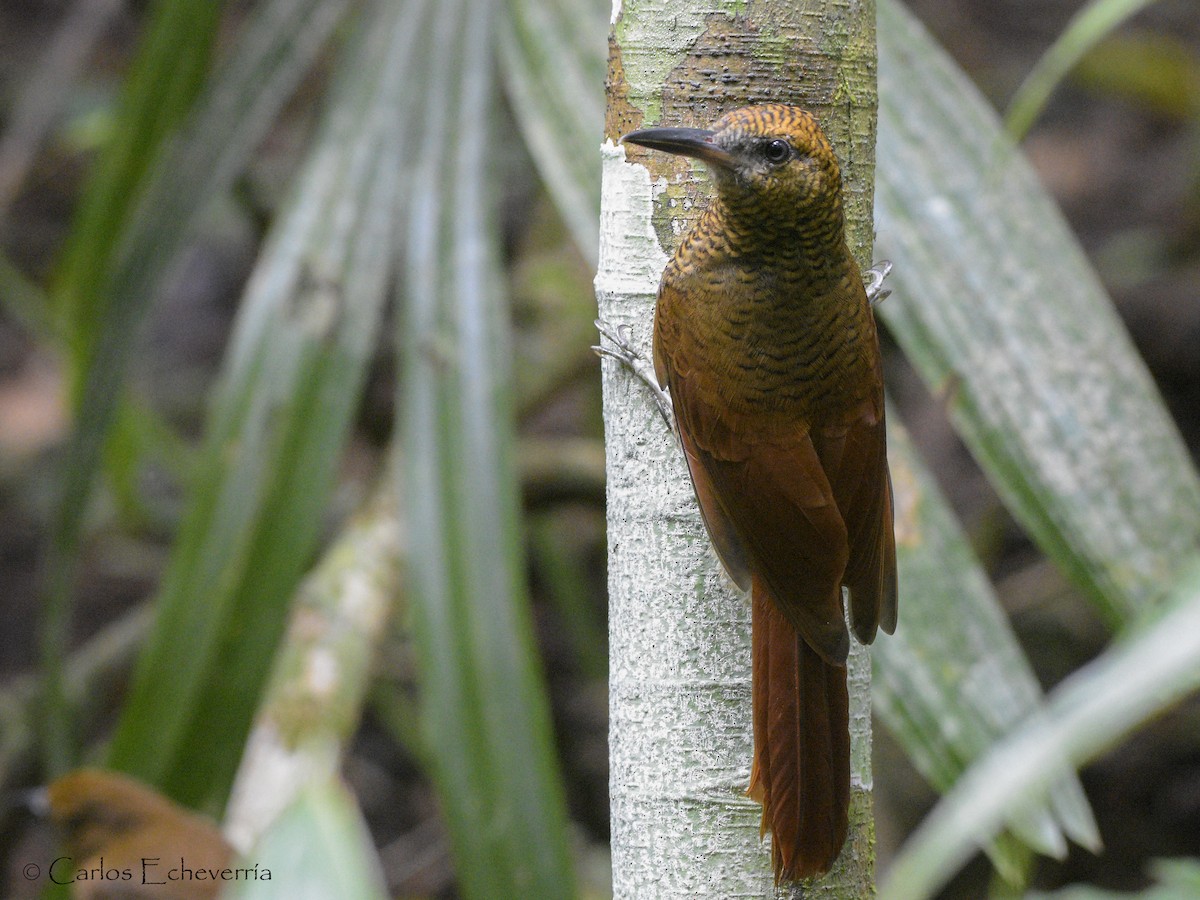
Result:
[
  {"x": 772, "y": 162},
  {"x": 95, "y": 807}
]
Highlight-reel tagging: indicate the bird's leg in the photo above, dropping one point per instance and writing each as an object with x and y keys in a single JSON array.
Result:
[
  {"x": 873, "y": 279},
  {"x": 617, "y": 343}
]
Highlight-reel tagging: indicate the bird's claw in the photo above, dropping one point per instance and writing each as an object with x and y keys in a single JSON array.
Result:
[
  {"x": 619, "y": 346},
  {"x": 617, "y": 343},
  {"x": 873, "y": 281}
]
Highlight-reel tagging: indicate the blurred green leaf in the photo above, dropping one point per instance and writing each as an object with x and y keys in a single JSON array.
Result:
[
  {"x": 319, "y": 848},
  {"x": 566, "y": 584},
  {"x": 25, "y": 302},
  {"x": 166, "y": 76},
  {"x": 263, "y": 68},
  {"x": 1143, "y": 674},
  {"x": 1175, "y": 879},
  {"x": 999, "y": 310},
  {"x": 953, "y": 679},
  {"x": 170, "y": 70},
  {"x": 289, "y": 389},
  {"x": 553, "y": 66},
  {"x": 484, "y": 707},
  {"x": 96, "y": 671},
  {"x": 1158, "y": 71},
  {"x": 1087, "y": 28}
]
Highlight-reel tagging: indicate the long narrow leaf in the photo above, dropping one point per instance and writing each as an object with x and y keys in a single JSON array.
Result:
[
  {"x": 166, "y": 76},
  {"x": 263, "y": 69},
  {"x": 1089, "y": 26},
  {"x": 168, "y": 73},
  {"x": 289, "y": 389},
  {"x": 485, "y": 717},
  {"x": 553, "y": 63},
  {"x": 999, "y": 310},
  {"x": 952, "y": 679},
  {"x": 1133, "y": 682}
]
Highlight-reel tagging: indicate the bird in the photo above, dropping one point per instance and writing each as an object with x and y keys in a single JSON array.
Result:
[
  {"x": 766, "y": 343},
  {"x": 122, "y": 839}
]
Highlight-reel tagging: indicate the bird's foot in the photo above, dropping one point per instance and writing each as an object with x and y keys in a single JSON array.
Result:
[
  {"x": 873, "y": 279},
  {"x": 616, "y": 342}
]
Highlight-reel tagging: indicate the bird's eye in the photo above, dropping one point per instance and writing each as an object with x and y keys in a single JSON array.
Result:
[{"x": 777, "y": 151}]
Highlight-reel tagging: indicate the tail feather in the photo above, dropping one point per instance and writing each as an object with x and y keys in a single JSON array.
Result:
[{"x": 801, "y": 768}]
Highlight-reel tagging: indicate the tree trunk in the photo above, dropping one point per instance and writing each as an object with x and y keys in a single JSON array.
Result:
[{"x": 679, "y": 632}]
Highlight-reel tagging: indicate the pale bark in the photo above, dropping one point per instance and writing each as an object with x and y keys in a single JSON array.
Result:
[{"x": 679, "y": 632}]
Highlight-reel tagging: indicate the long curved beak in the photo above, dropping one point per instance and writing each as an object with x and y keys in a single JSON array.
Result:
[{"x": 695, "y": 142}]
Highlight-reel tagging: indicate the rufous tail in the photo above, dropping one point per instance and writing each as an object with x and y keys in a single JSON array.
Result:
[{"x": 801, "y": 769}]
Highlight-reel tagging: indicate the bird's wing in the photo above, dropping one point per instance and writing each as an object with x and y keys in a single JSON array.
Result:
[
  {"x": 729, "y": 547},
  {"x": 854, "y": 458},
  {"x": 769, "y": 508},
  {"x": 809, "y": 510}
]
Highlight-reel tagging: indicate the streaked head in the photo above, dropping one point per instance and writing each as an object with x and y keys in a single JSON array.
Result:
[{"x": 772, "y": 160}]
